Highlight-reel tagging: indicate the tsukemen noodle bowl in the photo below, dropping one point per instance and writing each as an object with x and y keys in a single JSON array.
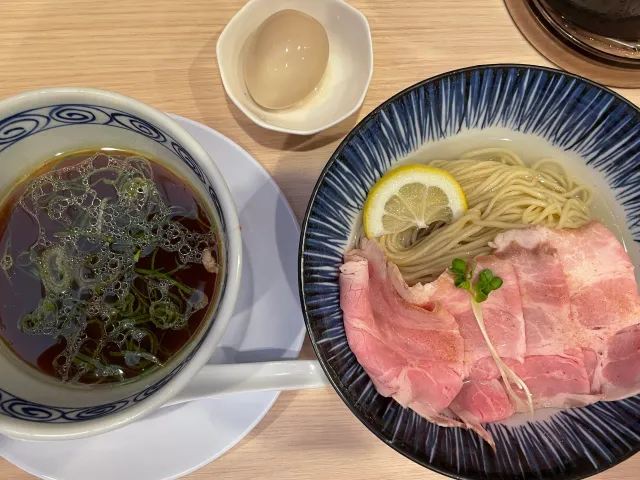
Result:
[
  {"x": 119, "y": 261},
  {"x": 468, "y": 273}
]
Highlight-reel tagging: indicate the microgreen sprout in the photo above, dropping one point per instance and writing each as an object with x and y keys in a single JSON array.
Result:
[{"x": 486, "y": 282}]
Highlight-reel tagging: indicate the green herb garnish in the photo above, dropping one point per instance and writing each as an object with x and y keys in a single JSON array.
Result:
[{"x": 486, "y": 283}]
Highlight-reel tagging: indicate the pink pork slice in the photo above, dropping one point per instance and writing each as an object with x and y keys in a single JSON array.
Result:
[
  {"x": 604, "y": 303},
  {"x": 502, "y": 313},
  {"x": 412, "y": 353},
  {"x": 482, "y": 398},
  {"x": 482, "y": 401},
  {"x": 619, "y": 375},
  {"x": 554, "y": 368}
]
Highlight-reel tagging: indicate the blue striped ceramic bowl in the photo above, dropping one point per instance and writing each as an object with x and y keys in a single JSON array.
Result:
[{"x": 536, "y": 112}]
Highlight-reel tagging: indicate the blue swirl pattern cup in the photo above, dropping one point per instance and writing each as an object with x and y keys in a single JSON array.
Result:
[{"x": 35, "y": 126}]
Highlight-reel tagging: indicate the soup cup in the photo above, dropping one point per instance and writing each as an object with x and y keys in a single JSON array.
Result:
[{"x": 34, "y": 127}]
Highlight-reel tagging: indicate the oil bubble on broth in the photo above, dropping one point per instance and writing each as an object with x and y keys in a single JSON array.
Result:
[{"x": 102, "y": 274}]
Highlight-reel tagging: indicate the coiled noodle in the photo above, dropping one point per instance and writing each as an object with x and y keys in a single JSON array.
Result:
[{"x": 502, "y": 194}]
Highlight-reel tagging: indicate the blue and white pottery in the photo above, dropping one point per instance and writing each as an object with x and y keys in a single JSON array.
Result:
[
  {"x": 536, "y": 112},
  {"x": 34, "y": 127}
]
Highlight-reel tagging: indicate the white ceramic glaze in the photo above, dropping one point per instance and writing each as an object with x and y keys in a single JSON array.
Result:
[
  {"x": 217, "y": 380},
  {"x": 344, "y": 85},
  {"x": 266, "y": 325},
  {"x": 34, "y": 127}
]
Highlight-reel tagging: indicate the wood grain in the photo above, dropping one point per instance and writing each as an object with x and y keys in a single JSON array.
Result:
[{"x": 163, "y": 53}]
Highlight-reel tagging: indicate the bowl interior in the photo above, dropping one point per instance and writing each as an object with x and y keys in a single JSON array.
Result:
[
  {"x": 344, "y": 84},
  {"x": 536, "y": 112},
  {"x": 34, "y": 128}
]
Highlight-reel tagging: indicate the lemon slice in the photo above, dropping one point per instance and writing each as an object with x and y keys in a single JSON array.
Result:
[{"x": 412, "y": 196}]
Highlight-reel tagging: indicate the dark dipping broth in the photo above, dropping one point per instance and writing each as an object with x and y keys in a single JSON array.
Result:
[{"x": 109, "y": 263}]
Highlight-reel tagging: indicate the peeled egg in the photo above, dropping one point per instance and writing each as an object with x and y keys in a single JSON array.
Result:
[{"x": 286, "y": 59}]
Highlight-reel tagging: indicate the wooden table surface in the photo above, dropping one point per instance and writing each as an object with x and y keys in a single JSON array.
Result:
[{"x": 163, "y": 53}]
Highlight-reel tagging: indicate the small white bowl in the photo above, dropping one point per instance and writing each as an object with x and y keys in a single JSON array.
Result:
[{"x": 344, "y": 85}]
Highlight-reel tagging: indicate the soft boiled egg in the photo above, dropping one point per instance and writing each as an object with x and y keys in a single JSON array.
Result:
[{"x": 286, "y": 59}]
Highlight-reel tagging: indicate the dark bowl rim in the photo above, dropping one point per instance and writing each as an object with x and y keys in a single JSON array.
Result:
[{"x": 305, "y": 223}]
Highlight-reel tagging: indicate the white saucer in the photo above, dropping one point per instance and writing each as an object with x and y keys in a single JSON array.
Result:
[{"x": 267, "y": 325}]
